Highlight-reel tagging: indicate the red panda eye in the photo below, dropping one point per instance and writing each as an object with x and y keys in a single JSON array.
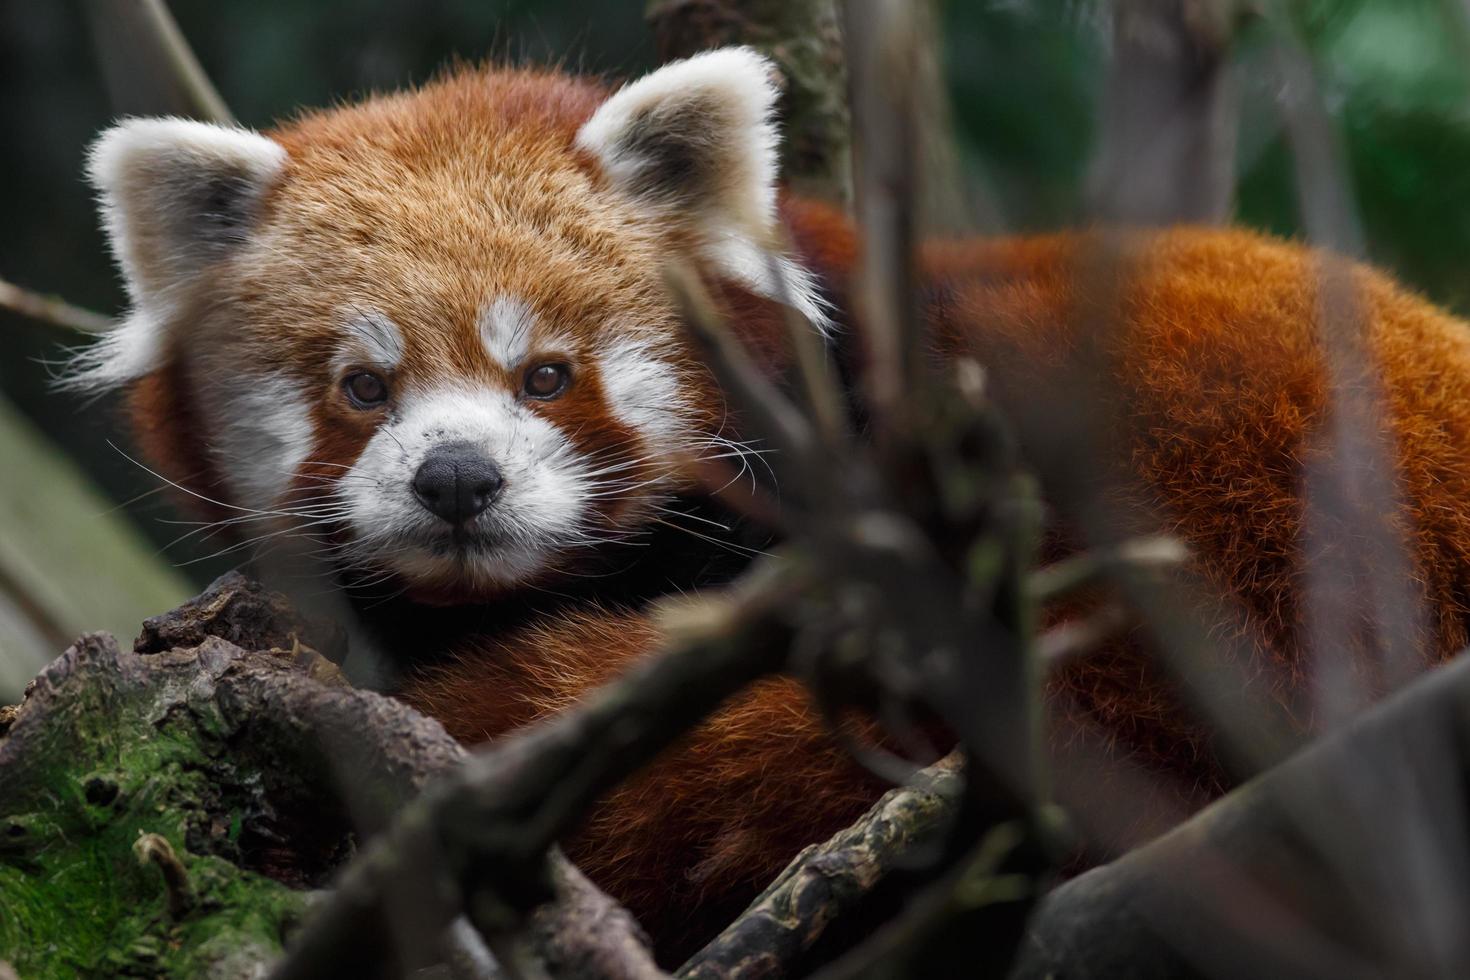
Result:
[
  {"x": 365, "y": 390},
  {"x": 547, "y": 381}
]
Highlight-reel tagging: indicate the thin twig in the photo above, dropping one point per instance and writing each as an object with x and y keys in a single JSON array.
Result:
[
  {"x": 206, "y": 100},
  {"x": 768, "y": 411},
  {"x": 820, "y": 386},
  {"x": 156, "y": 850},
  {"x": 1078, "y": 637},
  {"x": 882, "y": 70},
  {"x": 478, "y": 839},
  {"x": 51, "y": 310},
  {"x": 149, "y": 49},
  {"x": 1080, "y": 571},
  {"x": 1364, "y": 570},
  {"x": 828, "y": 880}
]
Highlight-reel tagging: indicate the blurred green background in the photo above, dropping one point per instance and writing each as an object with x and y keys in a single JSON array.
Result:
[{"x": 1025, "y": 79}]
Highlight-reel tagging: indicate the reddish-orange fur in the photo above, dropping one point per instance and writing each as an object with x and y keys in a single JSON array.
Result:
[
  {"x": 1214, "y": 364},
  {"x": 687, "y": 842},
  {"x": 1217, "y": 366},
  {"x": 1221, "y": 380}
]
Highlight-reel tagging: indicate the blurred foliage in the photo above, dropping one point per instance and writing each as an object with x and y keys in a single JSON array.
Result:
[
  {"x": 1025, "y": 78},
  {"x": 1396, "y": 75},
  {"x": 66, "y": 567}
]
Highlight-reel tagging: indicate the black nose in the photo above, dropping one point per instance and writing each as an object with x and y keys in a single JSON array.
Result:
[{"x": 457, "y": 481}]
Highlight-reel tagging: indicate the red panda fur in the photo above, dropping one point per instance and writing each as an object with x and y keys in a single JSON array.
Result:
[
  {"x": 1214, "y": 363},
  {"x": 1222, "y": 382},
  {"x": 689, "y": 841}
]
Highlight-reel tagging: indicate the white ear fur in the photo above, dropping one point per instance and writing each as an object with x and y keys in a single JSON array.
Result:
[
  {"x": 694, "y": 142},
  {"x": 175, "y": 195},
  {"x": 695, "y": 138}
]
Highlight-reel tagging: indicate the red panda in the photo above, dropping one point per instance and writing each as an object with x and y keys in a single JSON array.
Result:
[{"x": 429, "y": 335}]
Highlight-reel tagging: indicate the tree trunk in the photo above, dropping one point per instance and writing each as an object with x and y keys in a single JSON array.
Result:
[{"x": 803, "y": 38}]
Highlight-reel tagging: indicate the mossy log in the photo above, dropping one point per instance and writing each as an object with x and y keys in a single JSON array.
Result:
[{"x": 228, "y": 762}]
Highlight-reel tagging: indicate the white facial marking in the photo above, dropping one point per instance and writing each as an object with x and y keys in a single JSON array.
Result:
[
  {"x": 263, "y": 436},
  {"x": 506, "y": 327},
  {"x": 542, "y": 508},
  {"x": 643, "y": 390},
  {"x": 371, "y": 337}
]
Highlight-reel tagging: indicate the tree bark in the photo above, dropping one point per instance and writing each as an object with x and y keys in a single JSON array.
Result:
[
  {"x": 1350, "y": 860},
  {"x": 1170, "y": 114},
  {"x": 172, "y": 810},
  {"x": 803, "y": 38},
  {"x": 828, "y": 880}
]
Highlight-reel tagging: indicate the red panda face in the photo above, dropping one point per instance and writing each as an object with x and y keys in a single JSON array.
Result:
[
  {"x": 492, "y": 382},
  {"x": 432, "y": 328}
]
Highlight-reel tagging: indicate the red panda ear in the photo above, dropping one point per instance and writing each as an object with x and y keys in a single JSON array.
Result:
[
  {"x": 175, "y": 196},
  {"x": 694, "y": 141},
  {"x": 694, "y": 144}
]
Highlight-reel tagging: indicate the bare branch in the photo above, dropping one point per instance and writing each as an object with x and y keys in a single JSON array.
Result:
[
  {"x": 1253, "y": 887},
  {"x": 149, "y": 65},
  {"x": 1169, "y": 133},
  {"x": 883, "y": 57},
  {"x": 828, "y": 880},
  {"x": 584, "y": 935},
  {"x": 767, "y": 410},
  {"x": 51, "y": 310},
  {"x": 1365, "y": 605},
  {"x": 1067, "y": 576},
  {"x": 1078, "y": 637},
  {"x": 478, "y": 839}
]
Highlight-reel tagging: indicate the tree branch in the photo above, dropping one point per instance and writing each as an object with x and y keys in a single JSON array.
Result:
[
  {"x": 148, "y": 63},
  {"x": 51, "y": 310},
  {"x": 828, "y": 880},
  {"x": 478, "y": 838},
  {"x": 1291, "y": 874},
  {"x": 1167, "y": 153},
  {"x": 584, "y": 935}
]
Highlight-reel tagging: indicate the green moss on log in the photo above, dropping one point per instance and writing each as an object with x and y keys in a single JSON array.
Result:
[
  {"x": 77, "y": 901},
  {"x": 229, "y": 737}
]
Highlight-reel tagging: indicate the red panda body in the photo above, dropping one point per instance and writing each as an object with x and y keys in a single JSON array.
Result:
[
  {"x": 429, "y": 334},
  {"x": 1224, "y": 393}
]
